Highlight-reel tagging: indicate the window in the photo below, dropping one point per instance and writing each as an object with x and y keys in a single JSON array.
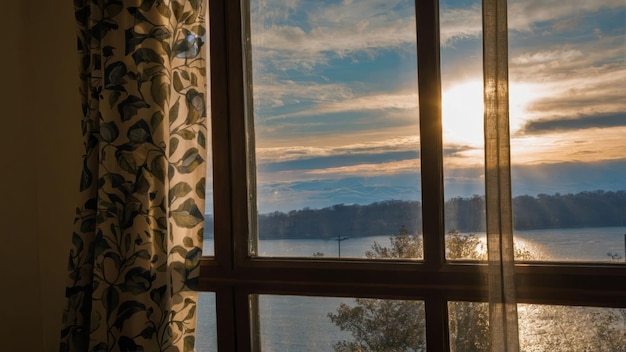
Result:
[{"x": 270, "y": 293}]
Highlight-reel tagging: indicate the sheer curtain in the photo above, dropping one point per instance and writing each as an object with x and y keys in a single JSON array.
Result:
[
  {"x": 137, "y": 240},
  {"x": 502, "y": 305}
]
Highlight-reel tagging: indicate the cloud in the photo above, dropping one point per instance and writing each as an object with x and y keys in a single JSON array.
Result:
[
  {"x": 304, "y": 34},
  {"x": 576, "y": 123},
  {"x": 568, "y": 177},
  {"x": 546, "y": 57},
  {"x": 314, "y": 113},
  {"x": 302, "y": 152},
  {"x": 391, "y": 157},
  {"x": 525, "y": 14},
  {"x": 563, "y": 177},
  {"x": 585, "y": 91},
  {"x": 274, "y": 93},
  {"x": 322, "y": 31},
  {"x": 579, "y": 77},
  {"x": 381, "y": 101},
  {"x": 457, "y": 156},
  {"x": 332, "y": 161},
  {"x": 460, "y": 23},
  {"x": 285, "y": 196},
  {"x": 581, "y": 145},
  {"x": 567, "y": 58},
  {"x": 566, "y": 69},
  {"x": 569, "y": 80},
  {"x": 369, "y": 169}
]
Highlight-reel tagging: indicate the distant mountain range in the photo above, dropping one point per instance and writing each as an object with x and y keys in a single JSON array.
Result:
[{"x": 584, "y": 209}]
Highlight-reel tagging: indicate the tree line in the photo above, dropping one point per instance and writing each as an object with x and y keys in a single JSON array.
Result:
[{"x": 465, "y": 214}]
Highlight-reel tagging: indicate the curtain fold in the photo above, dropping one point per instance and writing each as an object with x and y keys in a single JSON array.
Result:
[
  {"x": 137, "y": 240},
  {"x": 503, "y": 323}
]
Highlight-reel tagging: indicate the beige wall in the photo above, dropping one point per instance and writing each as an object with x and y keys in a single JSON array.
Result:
[{"x": 40, "y": 148}]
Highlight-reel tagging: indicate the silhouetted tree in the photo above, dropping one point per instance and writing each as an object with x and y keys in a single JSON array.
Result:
[{"x": 399, "y": 325}]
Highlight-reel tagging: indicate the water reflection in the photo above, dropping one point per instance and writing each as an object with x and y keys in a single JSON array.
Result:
[
  {"x": 565, "y": 328},
  {"x": 602, "y": 244}
]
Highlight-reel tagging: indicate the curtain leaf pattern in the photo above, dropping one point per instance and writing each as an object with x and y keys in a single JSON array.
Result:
[{"x": 136, "y": 247}]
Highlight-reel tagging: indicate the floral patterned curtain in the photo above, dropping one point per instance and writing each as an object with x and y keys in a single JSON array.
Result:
[{"x": 136, "y": 247}]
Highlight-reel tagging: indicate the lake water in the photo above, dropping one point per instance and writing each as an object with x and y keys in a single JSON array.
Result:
[{"x": 301, "y": 324}]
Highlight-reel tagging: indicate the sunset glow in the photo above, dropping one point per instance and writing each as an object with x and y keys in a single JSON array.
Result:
[{"x": 336, "y": 101}]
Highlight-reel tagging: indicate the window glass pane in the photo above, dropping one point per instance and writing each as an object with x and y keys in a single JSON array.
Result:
[
  {"x": 398, "y": 246},
  {"x": 469, "y": 326},
  {"x": 206, "y": 329},
  {"x": 296, "y": 323},
  {"x": 462, "y": 122},
  {"x": 335, "y": 124},
  {"x": 568, "y": 121},
  {"x": 566, "y": 328}
]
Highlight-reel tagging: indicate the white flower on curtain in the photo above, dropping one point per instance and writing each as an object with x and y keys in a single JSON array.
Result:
[{"x": 137, "y": 243}]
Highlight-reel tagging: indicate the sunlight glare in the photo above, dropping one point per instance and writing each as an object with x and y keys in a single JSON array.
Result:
[
  {"x": 462, "y": 113},
  {"x": 525, "y": 249},
  {"x": 463, "y": 110},
  {"x": 520, "y": 97}
]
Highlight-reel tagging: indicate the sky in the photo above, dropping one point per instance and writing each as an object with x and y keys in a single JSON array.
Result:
[{"x": 336, "y": 101}]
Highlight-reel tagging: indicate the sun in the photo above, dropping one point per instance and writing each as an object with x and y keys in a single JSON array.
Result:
[
  {"x": 462, "y": 113},
  {"x": 463, "y": 110}
]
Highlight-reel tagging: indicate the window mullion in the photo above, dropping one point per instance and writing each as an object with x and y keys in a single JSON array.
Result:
[
  {"x": 431, "y": 156},
  {"x": 225, "y": 319},
  {"x": 230, "y": 173},
  {"x": 240, "y": 189},
  {"x": 437, "y": 338},
  {"x": 431, "y": 153},
  {"x": 220, "y": 126}
]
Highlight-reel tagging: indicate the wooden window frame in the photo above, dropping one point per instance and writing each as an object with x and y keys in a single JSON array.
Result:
[{"x": 235, "y": 277}]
